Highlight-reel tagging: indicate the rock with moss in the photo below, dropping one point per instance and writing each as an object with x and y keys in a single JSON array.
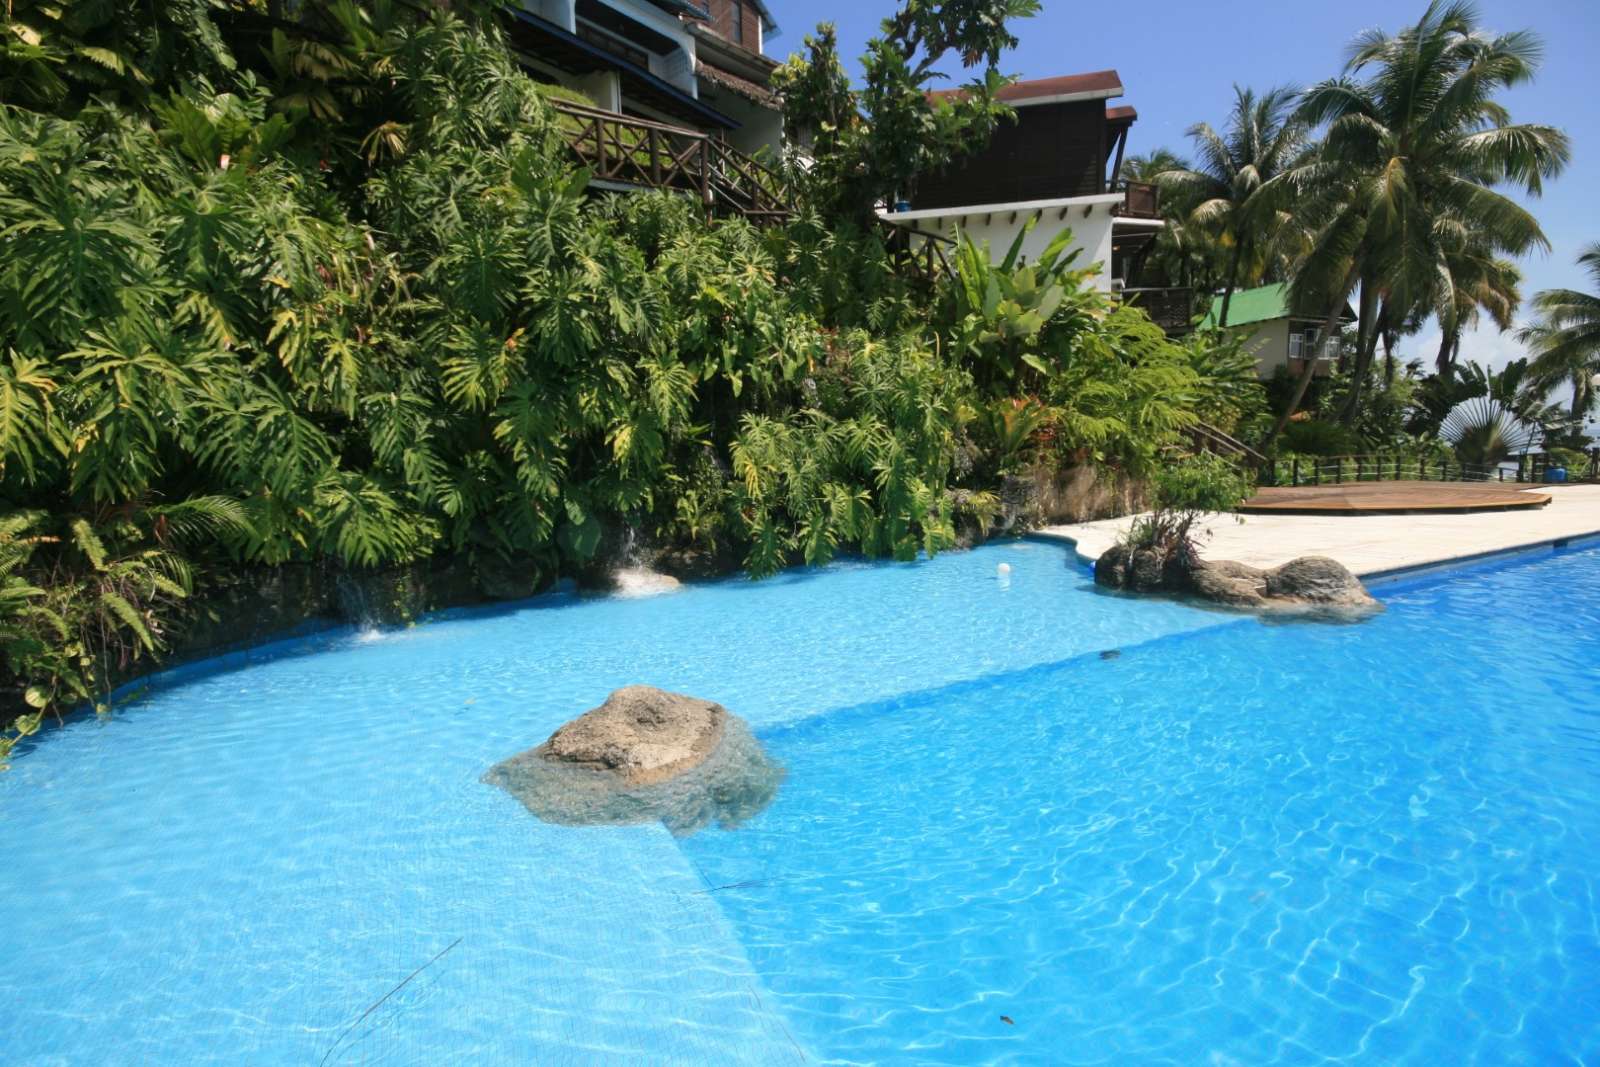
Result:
[
  {"x": 645, "y": 755},
  {"x": 1139, "y": 569}
]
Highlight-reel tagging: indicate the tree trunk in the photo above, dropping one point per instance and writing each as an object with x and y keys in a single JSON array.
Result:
[
  {"x": 1310, "y": 369},
  {"x": 1233, "y": 280},
  {"x": 1446, "y": 359},
  {"x": 1300, "y": 386},
  {"x": 1371, "y": 323}
]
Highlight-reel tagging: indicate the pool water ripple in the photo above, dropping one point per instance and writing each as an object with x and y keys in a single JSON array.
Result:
[
  {"x": 1233, "y": 843},
  {"x": 1256, "y": 844}
]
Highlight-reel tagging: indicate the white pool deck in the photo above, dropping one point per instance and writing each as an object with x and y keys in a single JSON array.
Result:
[{"x": 1372, "y": 546}]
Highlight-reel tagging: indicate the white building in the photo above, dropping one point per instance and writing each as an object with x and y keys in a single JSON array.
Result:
[
  {"x": 693, "y": 63},
  {"x": 1058, "y": 163}
]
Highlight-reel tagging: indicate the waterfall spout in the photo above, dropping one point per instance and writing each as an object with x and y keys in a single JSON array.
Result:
[{"x": 633, "y": 576}]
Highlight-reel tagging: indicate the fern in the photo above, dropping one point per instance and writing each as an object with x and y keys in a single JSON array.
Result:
[{"x": 88, "y": 542}]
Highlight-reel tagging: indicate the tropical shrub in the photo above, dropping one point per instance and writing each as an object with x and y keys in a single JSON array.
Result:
[
  {"x": 1112, "y": 387},
  {"x": 1184, "y": 492},
  {"x": 341, "y": 298},
  {"x": 1320, "y": 437}
]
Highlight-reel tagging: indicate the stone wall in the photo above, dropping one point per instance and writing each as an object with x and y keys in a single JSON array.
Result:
[{"x": 1047, "y": 496}]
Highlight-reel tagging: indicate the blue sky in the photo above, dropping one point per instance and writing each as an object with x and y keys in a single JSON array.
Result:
[{"x": 1179, "y": 60}]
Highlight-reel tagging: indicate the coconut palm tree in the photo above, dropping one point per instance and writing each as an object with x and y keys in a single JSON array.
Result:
[
  {"x": 1409, "y": 161},
  {"x": 1565, "y": 340},
  {"x": 1261, "y": 139},
  {"x": 1181, "y": 253},
  {"x": 1474, "y": 284}
]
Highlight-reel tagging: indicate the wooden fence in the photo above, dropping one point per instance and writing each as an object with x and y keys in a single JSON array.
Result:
[{"x": 1378, "y": 467}]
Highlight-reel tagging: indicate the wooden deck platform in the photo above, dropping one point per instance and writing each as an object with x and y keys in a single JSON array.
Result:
[{"x": 1380, "y": 498}]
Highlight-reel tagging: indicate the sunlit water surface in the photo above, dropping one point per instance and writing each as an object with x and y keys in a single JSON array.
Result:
[{"x": 1228, "y": 843}]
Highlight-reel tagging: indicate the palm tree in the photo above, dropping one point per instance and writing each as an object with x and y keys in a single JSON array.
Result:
[
  {"x": 1474, "y": 283},
  {"x": 1181, "y": 253},
  {"x": 1485, "y": 432},
  {"x": 1409, "y": 161},
  {"x": 1565, "y": 341},
  {"x": 1262, "y": 138}
]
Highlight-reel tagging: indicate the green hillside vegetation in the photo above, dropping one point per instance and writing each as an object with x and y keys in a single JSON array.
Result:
[{"x": 334, "y": 293}]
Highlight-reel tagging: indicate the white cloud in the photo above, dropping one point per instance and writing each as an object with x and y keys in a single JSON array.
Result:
[{"x": 1485, "y": 344}]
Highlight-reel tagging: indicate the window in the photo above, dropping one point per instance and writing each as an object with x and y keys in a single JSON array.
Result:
[
  {"x": 736, "y": 21},
  {"x": 616, "y": 46},
  {"x": 1304, "y": 343}
]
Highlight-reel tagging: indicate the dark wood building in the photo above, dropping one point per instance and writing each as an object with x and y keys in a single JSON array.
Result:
[
  {"x": 1059, "y": 146},
  {"x": 1056, "y": 164}
]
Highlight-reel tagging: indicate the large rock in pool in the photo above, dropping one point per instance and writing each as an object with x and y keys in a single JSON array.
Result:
[
  {"x": 645, "y": 754},
  {"x": 1311, "y": 585}
]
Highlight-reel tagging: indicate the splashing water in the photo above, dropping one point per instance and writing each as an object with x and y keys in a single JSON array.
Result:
[
  {"x": 642, "y": 581},
  {"x": 634, "y": 577}
]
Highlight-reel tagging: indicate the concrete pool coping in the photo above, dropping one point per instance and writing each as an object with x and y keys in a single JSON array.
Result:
[{"x": 1375, "y": 547}]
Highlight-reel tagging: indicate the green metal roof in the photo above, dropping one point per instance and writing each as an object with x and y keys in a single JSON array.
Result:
[{"x": 1261, "y": 304}]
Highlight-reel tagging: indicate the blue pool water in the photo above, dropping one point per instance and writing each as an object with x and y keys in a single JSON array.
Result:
[{"x": 1231, "y": 843}]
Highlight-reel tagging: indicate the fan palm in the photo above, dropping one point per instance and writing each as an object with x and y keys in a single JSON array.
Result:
[
  {"x": 1262, "y": 138},
  {"x": 1409, "y": 160},
  {"x": 1565, "y": 340},
  {"x": 1485, "y": 432}
]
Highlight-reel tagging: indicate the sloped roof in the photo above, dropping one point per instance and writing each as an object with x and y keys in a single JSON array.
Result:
[
  {"x": 1261, "y": 304},
  {"x": 1097, "y": 84},
  {"x": 756, "y": 94}
]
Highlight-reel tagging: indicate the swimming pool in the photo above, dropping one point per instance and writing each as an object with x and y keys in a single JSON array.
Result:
[{"x": 1230, "y": 842}]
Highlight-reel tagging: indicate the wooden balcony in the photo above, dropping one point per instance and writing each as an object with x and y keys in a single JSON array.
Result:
[
  {"x": 1171, "y": 309},
  {"x": 1297, "y": 367},
  {"x": 920, "y": 254},
  {"x": 1140, "y": 200},
  {"x": 628, "y": 152}
]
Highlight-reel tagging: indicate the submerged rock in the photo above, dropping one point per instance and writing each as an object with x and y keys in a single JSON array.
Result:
[
  {"x": 1312, "y": 586},
  {"x": 645, "y": 754}
]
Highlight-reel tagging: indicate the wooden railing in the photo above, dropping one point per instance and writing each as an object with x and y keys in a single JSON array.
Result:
[
  {"x": 1170, "y": 308},
  {"x": 629, "y": 151},
  {"x": 1381, "y": 467},
  {"x": 746, "y": 186},
  {"x": 1207, "y": 438},
  {"x": 918, "y": 252}
]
